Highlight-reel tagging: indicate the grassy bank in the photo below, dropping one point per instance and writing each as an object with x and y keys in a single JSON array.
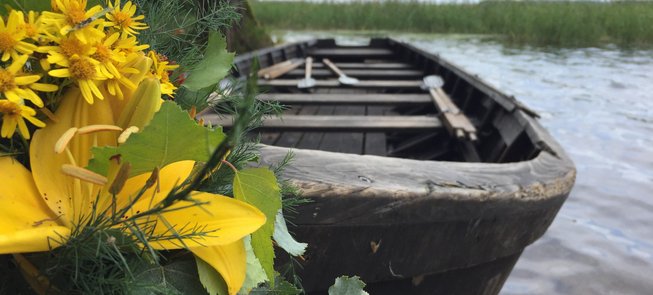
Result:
[{"x": 557, "y": 23}]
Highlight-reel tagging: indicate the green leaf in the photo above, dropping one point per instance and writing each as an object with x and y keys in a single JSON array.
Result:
[
  {"x": 177, "y": 277},
  {"x": 215, "y": 65},
  {"x": 258, "y": 186},
  {"x": 281, "y": 287},
  {"x": 255, "y": 273},
  {"x": 348, "y": 286},
  {"x": 198, "y": 99},
  {"x": 163, "y": 141},
  {"x": 27, "y": 5},
  {"x": 211, "y": 279},
  {"x": 284, "y": 239}
]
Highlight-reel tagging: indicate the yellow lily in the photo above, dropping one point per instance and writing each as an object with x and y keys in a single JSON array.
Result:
[{"x": 39, "y": 208}]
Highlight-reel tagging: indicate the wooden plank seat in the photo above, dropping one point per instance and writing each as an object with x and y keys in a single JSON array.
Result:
[
  {"x": 359, "y": 73},
  {"x": 347, "y": 99},
  {"x": 363, "y": 66},
  {"x": 365, "y": 84},
  {"x": 343, "y": 52},
  {"x": 338, "y": 123}
]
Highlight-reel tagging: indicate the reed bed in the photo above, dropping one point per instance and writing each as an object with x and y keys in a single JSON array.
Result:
[{"x": 545, "y": 23}]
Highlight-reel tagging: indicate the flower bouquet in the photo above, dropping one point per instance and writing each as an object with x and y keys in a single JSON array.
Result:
[{"x": 107, "y": 184}]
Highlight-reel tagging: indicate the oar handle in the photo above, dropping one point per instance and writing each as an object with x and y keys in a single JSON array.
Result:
[
  {"x": 333, "y": 67},
  {"x": 282, "y": 70},
  {"x": 262, "y": 72},
  {"x": 309, "y": 67}
]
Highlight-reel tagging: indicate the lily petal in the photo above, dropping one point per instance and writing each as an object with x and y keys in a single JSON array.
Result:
[
  {"x": 56, "y": 188},
  {"x": 170, "y": 176},
  {"x": 219, "y": 220},
  {"x": 229, "y": 260},
  {"x": 27, "y": 224}
]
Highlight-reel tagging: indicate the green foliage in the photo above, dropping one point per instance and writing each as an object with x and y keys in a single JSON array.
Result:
[
  {"x": 177, "y": 277},
  {"x": 162, "y": 141},
  {"x": 563, "y": 23},
  {"x": 179, "y": 28},
  {"x": 258, "y": 186},
  {"x": 284, "y": 239},
  {"x": 255, "y": 273},
  {"x": 214, "y": 66},
  {"x": 348, "y": 286},
  {"x": 281, "y": 287},
  {"x": 25, "y": 5},
  {"x": 211, "y": 279}
]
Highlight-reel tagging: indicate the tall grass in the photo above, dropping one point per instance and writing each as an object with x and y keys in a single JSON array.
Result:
[{"x": 551, "y": 23}]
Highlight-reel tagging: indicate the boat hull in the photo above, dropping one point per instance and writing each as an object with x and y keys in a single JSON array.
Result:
[{"x": 411, "y": 221}]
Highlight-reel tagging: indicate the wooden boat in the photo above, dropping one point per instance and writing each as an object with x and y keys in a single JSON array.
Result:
[{"x": 405, "y": 196}]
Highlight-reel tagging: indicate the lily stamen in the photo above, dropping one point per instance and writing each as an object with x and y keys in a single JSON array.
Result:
[
  {"x": 98, "y": 128},
  {"x": 62, "y": 143},
  {"x": 122, "y": 138},
  {"x": 83, "y": 174}
]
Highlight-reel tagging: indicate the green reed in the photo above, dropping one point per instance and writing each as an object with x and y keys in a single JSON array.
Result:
[{"x": 549, "y": 23}]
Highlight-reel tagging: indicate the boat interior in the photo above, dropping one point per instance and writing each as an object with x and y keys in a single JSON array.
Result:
[{"x": 391, "y": 110}]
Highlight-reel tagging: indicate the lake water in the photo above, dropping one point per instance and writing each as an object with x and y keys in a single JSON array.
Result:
[{"x": 598, "y": 103}]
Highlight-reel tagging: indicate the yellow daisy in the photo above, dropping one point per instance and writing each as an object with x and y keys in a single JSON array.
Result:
[
  {"x": 14, "y": 114},
  {"x": 33, "y": 27},
  {"x": 68, "y": 47},
  {"x": 109, "y": 57},
  {"x": 85, "y": 72},
  {"x": 161, "y": 69},
  {"x": 16, "y": 85},
  {"x": 123, "y": 18},
  {"x": 76, "y": 20},
  {"x": 12, "y": 35},
  {"x": 135, "y": 65},
  {"x": 129, "y": 44}
]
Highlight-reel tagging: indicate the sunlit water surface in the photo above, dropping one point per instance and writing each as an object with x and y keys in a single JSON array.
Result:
[{"x": 597, "y": 102}]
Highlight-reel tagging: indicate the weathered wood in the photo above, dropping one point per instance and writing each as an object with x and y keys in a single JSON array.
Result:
[
  {"x": 281, "y": 70},
  {"x": 347, "y": 99},
  {"x": 329, "y": 176},
  {"x": 364, "y": 73},
  {"x": 482, "y": 215},
  {"x": 312, "y": 140},
  {"x": 467, "y": 210},
  {"x": 262, "y": 72},
  {"x": 338, "y": 123},
  {"x": 384, "y": 84},
  {"x": 363, "y": 66},
  {"x": 375, "y": 142},
  {"x": 455, "y": 120},
  {"x": 340, "y": 52},
  {"x": 345, "y": 142},
  {"x": 292, "y": 138}
]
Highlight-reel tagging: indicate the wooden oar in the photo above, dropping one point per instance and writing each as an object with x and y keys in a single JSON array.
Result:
[
  {"x": 343, "y": 78},
  {"x": 264, "y": 71},
  {"x": 455, "y": 120},
  {"x": 273, "y": 74},
  {"x": 307, "y": 82}
]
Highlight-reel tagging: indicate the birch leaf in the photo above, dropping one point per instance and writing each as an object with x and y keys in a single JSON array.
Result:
[
  {"x": 258, "y": 187},
  {"x": 284, "y": 239},
  {"x": 163, "y": 141}
]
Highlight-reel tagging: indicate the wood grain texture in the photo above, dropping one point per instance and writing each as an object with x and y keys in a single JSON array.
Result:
[
  {"x": 347, "y": 99},
  {"x": 344, "y": 123},
  {"x": 339, "y": 52},
  {"x": 364, "y": 66},
  {"x": 385, "y": 84},
  {"x": 360, "y": 73},
  {"x": 379, "y": 190}
]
